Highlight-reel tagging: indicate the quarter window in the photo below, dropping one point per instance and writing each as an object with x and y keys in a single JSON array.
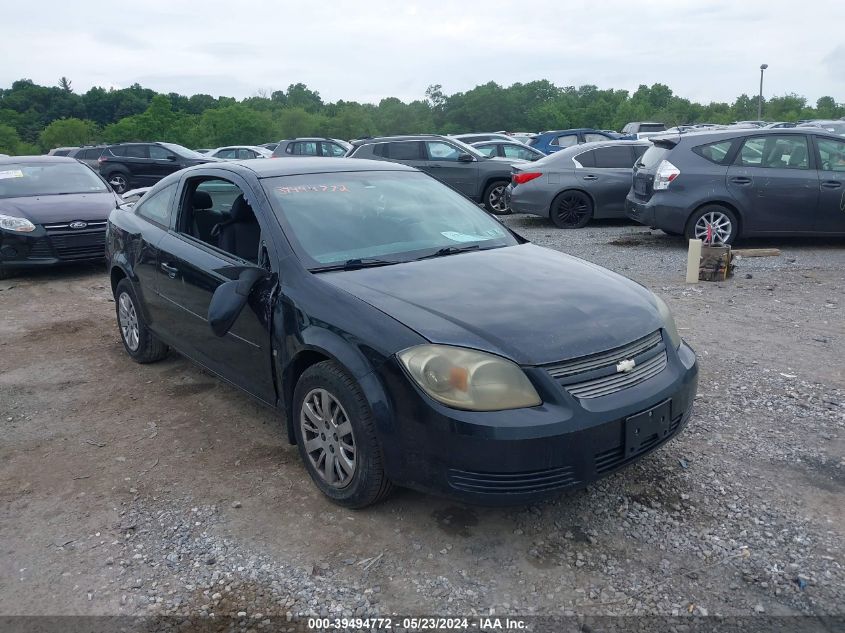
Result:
[
  {"x": 715, "y": 152},
  {"x": 775, "y": 152},
  {"x": 157, "y": 207},
  {"x": 832, "y": 154}
]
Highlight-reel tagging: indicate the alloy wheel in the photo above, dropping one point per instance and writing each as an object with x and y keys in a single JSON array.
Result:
[
  {"x": 719, "y": 226},
  {"x": 328, "y": 437},
  {"x": 118, "y": 182},
  {"x": 496, "y": 199},
  {"x": 128, "y": 318},
  {"x": 572, "y": 209}
]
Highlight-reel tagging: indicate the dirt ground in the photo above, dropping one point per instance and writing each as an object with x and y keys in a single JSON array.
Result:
[{"x": 125, "y": 488}]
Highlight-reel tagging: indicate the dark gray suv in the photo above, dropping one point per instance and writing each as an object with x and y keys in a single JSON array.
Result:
[
  {"x": 460, "y": 166},
  {"x": 718, "y": 186}
]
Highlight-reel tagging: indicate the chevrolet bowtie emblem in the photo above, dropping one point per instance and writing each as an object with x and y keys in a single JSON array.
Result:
[{"x": 626, "y": 365}]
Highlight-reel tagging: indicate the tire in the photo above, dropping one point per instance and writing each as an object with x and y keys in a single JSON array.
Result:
[
  {"x": 326, "y": 386},
  {"x": 119, "y": 181},
  {"x": 724, "y": 222},
  {"x": 571, "y": 210},
  {"x": 137, "y": 339},
  {"x": 494, "y": 198}
]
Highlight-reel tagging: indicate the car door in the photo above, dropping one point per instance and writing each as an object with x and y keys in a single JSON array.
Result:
[
  {"x": 444, "y": 163},
  {"x": 191, "y": 267},
  {"x": 773, "y": 183},
  {"x": 332, "y": 150},
  {"x": 137, "y": 160},
  {"x": 163, "y": 162},
  {"x": 830, "y": 160},
  {"x": 606, "y": 176}
]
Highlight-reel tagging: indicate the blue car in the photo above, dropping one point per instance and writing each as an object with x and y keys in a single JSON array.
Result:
[{"x": 552, "y": 141}]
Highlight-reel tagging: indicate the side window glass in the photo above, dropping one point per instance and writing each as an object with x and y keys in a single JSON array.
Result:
[
  {"x": 118, "y": 151},
  {"x": 159, "y": 153},
  {"x": 614, "y": 157},
  {"x": 832, "y": 155},
  {"x": 715, "y": 152},
  {"x": 405, "y": 150},
  {"x": 305, "y": 148},
  {"x": 157, "y": 207},
  {"x": 438, "y": 150},
  {"x": 218, "y": 213},
  {"x": 566, "y": 140},
  {"x": 136, "y": 151},
  {"x": 775, "y": 152},
  {"x": 591, "y": 137},
  {"x": 490, "y": 150},
  {"x": 332, "y": 149},
  {"x": 245, "y": 154},
  {"x": 639, "y": 150},
  {"x": 587, "y": 159}
]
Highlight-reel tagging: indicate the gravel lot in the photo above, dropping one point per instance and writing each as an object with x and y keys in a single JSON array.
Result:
[{"x": 157, "y": 489}]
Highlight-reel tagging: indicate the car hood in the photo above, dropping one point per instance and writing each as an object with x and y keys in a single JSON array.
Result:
[
  {"x": 527, "y": 303},
  {"x": 61, "y": 208}
]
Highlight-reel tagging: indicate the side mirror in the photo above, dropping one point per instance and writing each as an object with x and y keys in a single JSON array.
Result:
[
  {"x": 173, "y": 157},
  {"x": 465, "y": 158},
  {"x": 229, "y": 299}
]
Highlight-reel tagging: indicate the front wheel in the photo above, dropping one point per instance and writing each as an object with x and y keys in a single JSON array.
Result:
[
  {"x": 138, "y": 341},
  {"x": 494, "y": 198},
  {"x": 119, "y": 182},
  {"x": 571, "y": 210},
  {"x": 713, "y": 224},
  {"x": 336, "y": 436}
]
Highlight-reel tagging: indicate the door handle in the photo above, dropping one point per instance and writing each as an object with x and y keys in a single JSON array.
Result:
[
  {"x": 591, "y": 177},
  {"x": 741, "y": 180},
  {"x": 171, "y": 271},
  {"x": 831, "y": 184}
]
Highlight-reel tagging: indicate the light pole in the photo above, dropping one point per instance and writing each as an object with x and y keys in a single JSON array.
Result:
[{"x": 760, "y": 98}]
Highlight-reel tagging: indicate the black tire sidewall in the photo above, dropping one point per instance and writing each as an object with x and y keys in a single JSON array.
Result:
[
  {"x": 487, "y": 190},
  {"x": 556, "y": 201},
  {"x": 689, "y": 231},
  {"x": 368, "y": 480},
  {"x": 149, "y": 348}
]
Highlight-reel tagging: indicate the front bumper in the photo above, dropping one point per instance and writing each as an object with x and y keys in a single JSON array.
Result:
[
  {"x": 517, "y": 456},
  {"x": 656, "y": 215},
  {"x": 43, "y": 247}
]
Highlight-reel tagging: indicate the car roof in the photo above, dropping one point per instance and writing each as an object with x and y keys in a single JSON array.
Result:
[
  {"x": 401, "y": 137},
  {"x": 583, "y": 147},
  {"x": 738, "y": 132},
  {"x": 305, "y": 165},
  {"x": 37, "y": 159},
  {"x": 574, "y": 129}
]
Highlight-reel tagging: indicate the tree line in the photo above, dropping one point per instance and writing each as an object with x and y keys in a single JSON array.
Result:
[{"x": 35, "y": 118}]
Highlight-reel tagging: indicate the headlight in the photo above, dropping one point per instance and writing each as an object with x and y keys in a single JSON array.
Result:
[
  {"x": 19, "y": 225},
  {"x": 467, "y": 379},
  {"x": 668, "y": 322}
]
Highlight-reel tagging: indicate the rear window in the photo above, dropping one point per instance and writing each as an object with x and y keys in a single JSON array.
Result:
[
  {"x": 653, "y": 155},
  {"x": 652, "y": 127},
  {"x": 715, "y": 152}
]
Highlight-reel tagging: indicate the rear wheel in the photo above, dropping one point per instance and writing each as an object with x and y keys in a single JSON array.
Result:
[
  {"x": 713, "y": 224},
  {"x": 138, "y": 341},
  {"x": 571, "y": 210},
  {"x": 119, "y": 181},
  {"x": 336, "y": 436},
  {"x": 494, "y": 198}
]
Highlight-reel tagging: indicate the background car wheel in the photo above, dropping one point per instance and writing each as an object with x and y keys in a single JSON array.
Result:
[
  {"x": 336, "y": 437},
  {"x": 724, "y": 226},
  {"x": 137, "y": 339},
  {"x": 494, "y": 198},
  {"x": 119, "y": 181},
  {"x": 571, "y": 210}
]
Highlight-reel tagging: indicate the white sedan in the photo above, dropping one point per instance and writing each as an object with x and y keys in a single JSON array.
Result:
[{"x": 240, "y": 152}]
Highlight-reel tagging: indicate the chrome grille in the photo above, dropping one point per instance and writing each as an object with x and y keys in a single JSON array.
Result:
[{"x": 595, "y": 376}]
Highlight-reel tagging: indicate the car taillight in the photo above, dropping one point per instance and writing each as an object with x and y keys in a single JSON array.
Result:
[
  {"x": 522, "y": 177},
  {"x": 665, "y": 174},
  {"x": 101, "y": 159}
]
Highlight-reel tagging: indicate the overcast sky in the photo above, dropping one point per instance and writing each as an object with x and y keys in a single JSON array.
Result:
[{"x": 364, "y": 50}]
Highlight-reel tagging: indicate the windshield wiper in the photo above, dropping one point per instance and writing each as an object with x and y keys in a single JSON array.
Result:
[
  {"x": 451, "y": 250},
  {"x": 354, "y": 264}
]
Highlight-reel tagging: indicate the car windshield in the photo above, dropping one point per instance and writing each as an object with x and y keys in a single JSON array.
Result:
[
  {"x": 182, "y": 151},
  {"x": 19, "y": 180},
  {"x": 395, "y": 216}
]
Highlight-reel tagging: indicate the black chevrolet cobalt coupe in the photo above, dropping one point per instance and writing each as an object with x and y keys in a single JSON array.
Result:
[
  {"x": 52, "y": 210},
  {"x": 405, "y": 336}
]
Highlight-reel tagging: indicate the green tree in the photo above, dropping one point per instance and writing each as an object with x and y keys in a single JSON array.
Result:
[{"x": 68, "y": 132}]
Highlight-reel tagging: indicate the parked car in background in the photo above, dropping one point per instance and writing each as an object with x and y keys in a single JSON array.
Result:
[
  {"x": 60, "y": 151},
  {"x": 556, "y": 140},
  {"x": 133, "y": 195},
  {"x": 720, "y": 186},
  {"x": 270, "y": 146},
  {"x": 834, "y": 126},
  {"x": 779, "y": 125},
  {"x": 53, "y": 209},
  {"x": 753, "y": 123},
  {"x": 460, "y": 166},
  {"x": 577, "y": 184},
  {"x": 404, "y": 337},
  {"x": 522, "y": 137},
  {"x": 508, "y": 149},
  {"x": 642, "y": 129},
  {"x": 204, "y": 150},
  {"x": 128, "y": 165},
  {"x": 469, "y": 139},
  {"x": 311, "y": 146},
  {"x": 89, "y": 155},
  {"x": 240, "y": 152}
]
